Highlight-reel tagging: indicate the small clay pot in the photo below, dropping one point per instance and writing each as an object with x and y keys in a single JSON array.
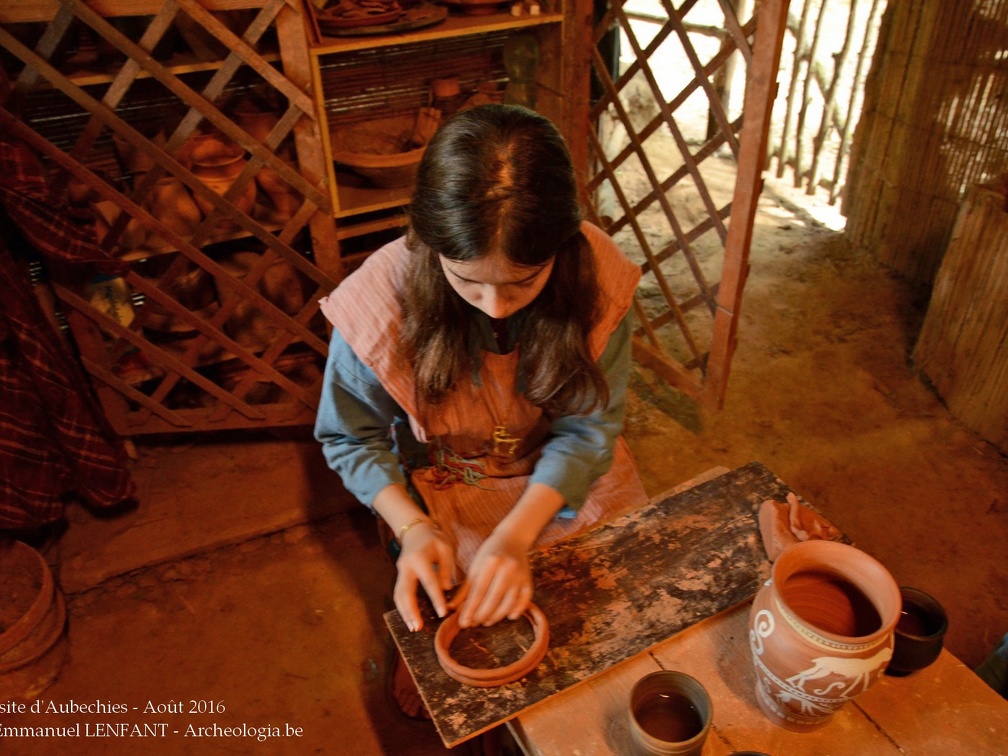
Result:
[
  {"x": 920, "y": 632},
  {"x": 670, "y": 715},
  {"x": 258, "y": 123},
  {"x": 491, "y": 678},
  {"x": 172, "y": 204},
  {"x": 446, "y": 95},
  {"x": 216, "y": 158},
  {"x": 446, "y": 87},
  {"x": 106, "y": 215},
  {"x": 285, "y": 199},
  {"x": 133, "y": 159},
  {"x": 218, "y": 163}
]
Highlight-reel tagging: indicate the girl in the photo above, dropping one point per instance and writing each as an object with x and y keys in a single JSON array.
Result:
[{"x": 474, "y": 391}]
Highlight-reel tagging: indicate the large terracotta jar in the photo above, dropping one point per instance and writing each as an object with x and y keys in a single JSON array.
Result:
[{"x": 820, "y": 631}]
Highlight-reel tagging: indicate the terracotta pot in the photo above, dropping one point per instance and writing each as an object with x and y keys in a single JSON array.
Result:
[
  {"x": 218, "y": 163},
  {"x": 446, "y": 95},
  {"x": 820, "y": 631},
  {"x": 285, "y": 199},
  {"x": 280, "y": 284},
  {"x": 492, "y": 677},
  {"x": 192, "y": 287},
  {"x": 258, "y": 123},
  {"x": 106, "y": 214},
  {"x": 670, "y": 715},
  {"x": 33, "y": 615},
  {"x": 171, "y": 203},
  {"x": 133, "y": 159},
  {"x": 920, "y": 632}
]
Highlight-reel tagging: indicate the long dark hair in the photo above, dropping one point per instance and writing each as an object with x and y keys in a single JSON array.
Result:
[{"x": 499, "y": 177}]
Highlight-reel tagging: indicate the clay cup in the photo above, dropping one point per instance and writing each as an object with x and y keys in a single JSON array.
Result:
[
  {"x": 670, "y": 715},
  {"x": 920, "y": 632}
]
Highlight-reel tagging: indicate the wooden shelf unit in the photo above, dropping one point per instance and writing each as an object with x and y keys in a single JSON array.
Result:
[{"x": 467, "y": 46}]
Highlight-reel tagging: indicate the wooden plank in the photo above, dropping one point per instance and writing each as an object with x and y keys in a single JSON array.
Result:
[
  {"x": 573, "y": 57},
  {"x": 273, "y": 416},
  {"x": 612, "y": 593},
  {"x": 944, "y": 708},
  {"x": 137, "y": 397},
  {"x": 47, "y": 45},
  {"x": 674, "y": 373},
  {"x": 308, "y": 136}
]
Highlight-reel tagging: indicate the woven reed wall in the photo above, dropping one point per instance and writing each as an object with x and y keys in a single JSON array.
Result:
[
  {"x": 962, "y": 345},
  {"x": 935, "y": 122}
]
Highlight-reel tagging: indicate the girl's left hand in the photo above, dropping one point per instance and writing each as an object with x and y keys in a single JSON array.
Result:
[{"x": 498, "y": 585}]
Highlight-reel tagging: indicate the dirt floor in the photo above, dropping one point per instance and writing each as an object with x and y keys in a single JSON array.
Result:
[{"x": 247, "y": 587}]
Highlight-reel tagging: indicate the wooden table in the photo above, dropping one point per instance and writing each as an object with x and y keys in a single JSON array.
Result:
[
  {"x": 944, "y": 709},
  {"x": 669, "y": 587}
]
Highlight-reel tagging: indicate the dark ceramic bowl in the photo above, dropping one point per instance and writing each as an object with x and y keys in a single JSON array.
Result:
[{"x": 919, "y": 634}]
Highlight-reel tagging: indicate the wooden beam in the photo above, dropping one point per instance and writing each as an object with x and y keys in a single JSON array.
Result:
[{"x": 760, "y": 89}]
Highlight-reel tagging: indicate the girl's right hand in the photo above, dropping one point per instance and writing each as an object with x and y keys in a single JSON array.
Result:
[{"x": 427, "y": 558}]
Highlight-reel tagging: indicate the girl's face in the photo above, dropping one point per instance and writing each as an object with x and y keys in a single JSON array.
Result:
[{"x": 494, "y": 284}]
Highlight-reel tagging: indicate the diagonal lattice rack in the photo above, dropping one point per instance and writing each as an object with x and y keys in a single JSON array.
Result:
[
  {"x": 208, "y": 373},
  {"x": 668, "y": 116}
]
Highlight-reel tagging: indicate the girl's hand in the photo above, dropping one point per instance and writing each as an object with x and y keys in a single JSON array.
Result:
[
  {"x": 499, "y": 583},
  {"x": 427, "y": 558}
]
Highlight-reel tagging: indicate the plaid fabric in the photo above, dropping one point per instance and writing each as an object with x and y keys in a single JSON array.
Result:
[{"x": 55, "y": 443}]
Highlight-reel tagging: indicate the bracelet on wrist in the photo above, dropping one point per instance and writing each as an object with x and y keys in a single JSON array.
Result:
[{"x": 411, "y": 523}]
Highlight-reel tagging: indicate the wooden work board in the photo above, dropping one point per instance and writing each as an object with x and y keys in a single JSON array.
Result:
[{"x": 610, "y": 593}]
